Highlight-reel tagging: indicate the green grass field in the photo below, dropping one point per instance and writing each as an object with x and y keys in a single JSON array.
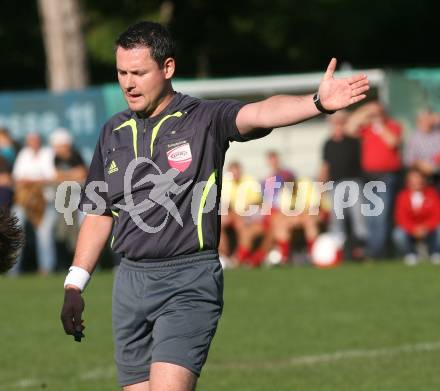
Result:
[{"x": 357, "y": 327}]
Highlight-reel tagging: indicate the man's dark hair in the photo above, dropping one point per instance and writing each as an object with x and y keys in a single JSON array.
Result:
[
  {"x": 417, "y": 170},
  {"x": 151, "y": 35},
  {"x": 11, "y": 240},
  {"x": 234, "y": 164}
]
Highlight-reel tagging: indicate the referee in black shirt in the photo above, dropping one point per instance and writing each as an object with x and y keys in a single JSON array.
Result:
[{"x": 161, "y": 163}]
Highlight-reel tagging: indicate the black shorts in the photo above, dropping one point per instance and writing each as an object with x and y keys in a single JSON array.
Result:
[{"x": 165, "y": 311}]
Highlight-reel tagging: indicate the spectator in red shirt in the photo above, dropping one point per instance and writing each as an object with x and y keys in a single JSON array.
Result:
[
  {"x": 380, "y": 138},
  {"x": 417, "y": 217}
]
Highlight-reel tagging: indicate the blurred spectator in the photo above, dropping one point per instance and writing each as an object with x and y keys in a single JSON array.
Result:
[
  {"x": 277, "y": 175},
  {"x": 380, "y": 161},
  {"x": 239, "y": 193},
  {"x": 417, "y": 217},
  {"x": 34, "y": 174},
  {"x": 6, "y": 192},
  {"x": 7, "y": 158},
  {"x": 342, "y": 162},
  {"x": 273, "y": 198},
  {"x": 7, "y": 147},
  {"x": 298, "y": 197},
  {"x": 423, "y": 148},
  {"x": 69, "y": 166}
]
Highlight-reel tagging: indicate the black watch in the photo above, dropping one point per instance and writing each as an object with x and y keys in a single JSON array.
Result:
[{"x": 319, "y": 105}]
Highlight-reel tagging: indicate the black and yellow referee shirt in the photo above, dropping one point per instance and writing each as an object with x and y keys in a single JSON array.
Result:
[{"x": 190, "y": 137}]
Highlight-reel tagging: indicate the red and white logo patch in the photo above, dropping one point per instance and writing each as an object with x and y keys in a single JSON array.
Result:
[{"x": 180, "y": 157}]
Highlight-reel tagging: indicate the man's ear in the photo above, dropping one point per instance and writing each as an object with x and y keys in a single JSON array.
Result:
[{"x": 169, "y": 66}]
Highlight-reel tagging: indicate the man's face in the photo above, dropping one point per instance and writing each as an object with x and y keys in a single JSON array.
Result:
[
  {"x": 273, "y": 161},
  {"x": 141, "y": 79},
  {"x": 235, "y": 170},
  {"x": 337, "y": 123},
  {"x": 377, "y": 112},
  {"x": 415, "y": 181},
  {"x": 33, "y": 141},
  {"x": 63, "y": 150},
  {"x": 424, "y": 122},
  {"x": 3, "y": 139}
]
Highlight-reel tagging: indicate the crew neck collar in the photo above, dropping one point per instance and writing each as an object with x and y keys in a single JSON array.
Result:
[{"x": 170, "y": 107}]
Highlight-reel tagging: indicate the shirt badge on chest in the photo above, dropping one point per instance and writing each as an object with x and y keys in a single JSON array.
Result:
[{"x": 180, "y": 157}]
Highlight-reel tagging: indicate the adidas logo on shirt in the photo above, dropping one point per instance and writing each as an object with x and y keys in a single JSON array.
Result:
[{"x": 113, "y": 167}]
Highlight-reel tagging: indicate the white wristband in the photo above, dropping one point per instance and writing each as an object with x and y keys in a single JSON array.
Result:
[{"x": 77, "y": 276}]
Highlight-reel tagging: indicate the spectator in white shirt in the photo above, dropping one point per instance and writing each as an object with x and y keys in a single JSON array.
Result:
[{"x": 34, "y": 174}]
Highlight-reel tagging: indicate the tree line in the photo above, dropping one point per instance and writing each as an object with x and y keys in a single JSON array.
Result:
[{"x": 214, "y": 38}]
